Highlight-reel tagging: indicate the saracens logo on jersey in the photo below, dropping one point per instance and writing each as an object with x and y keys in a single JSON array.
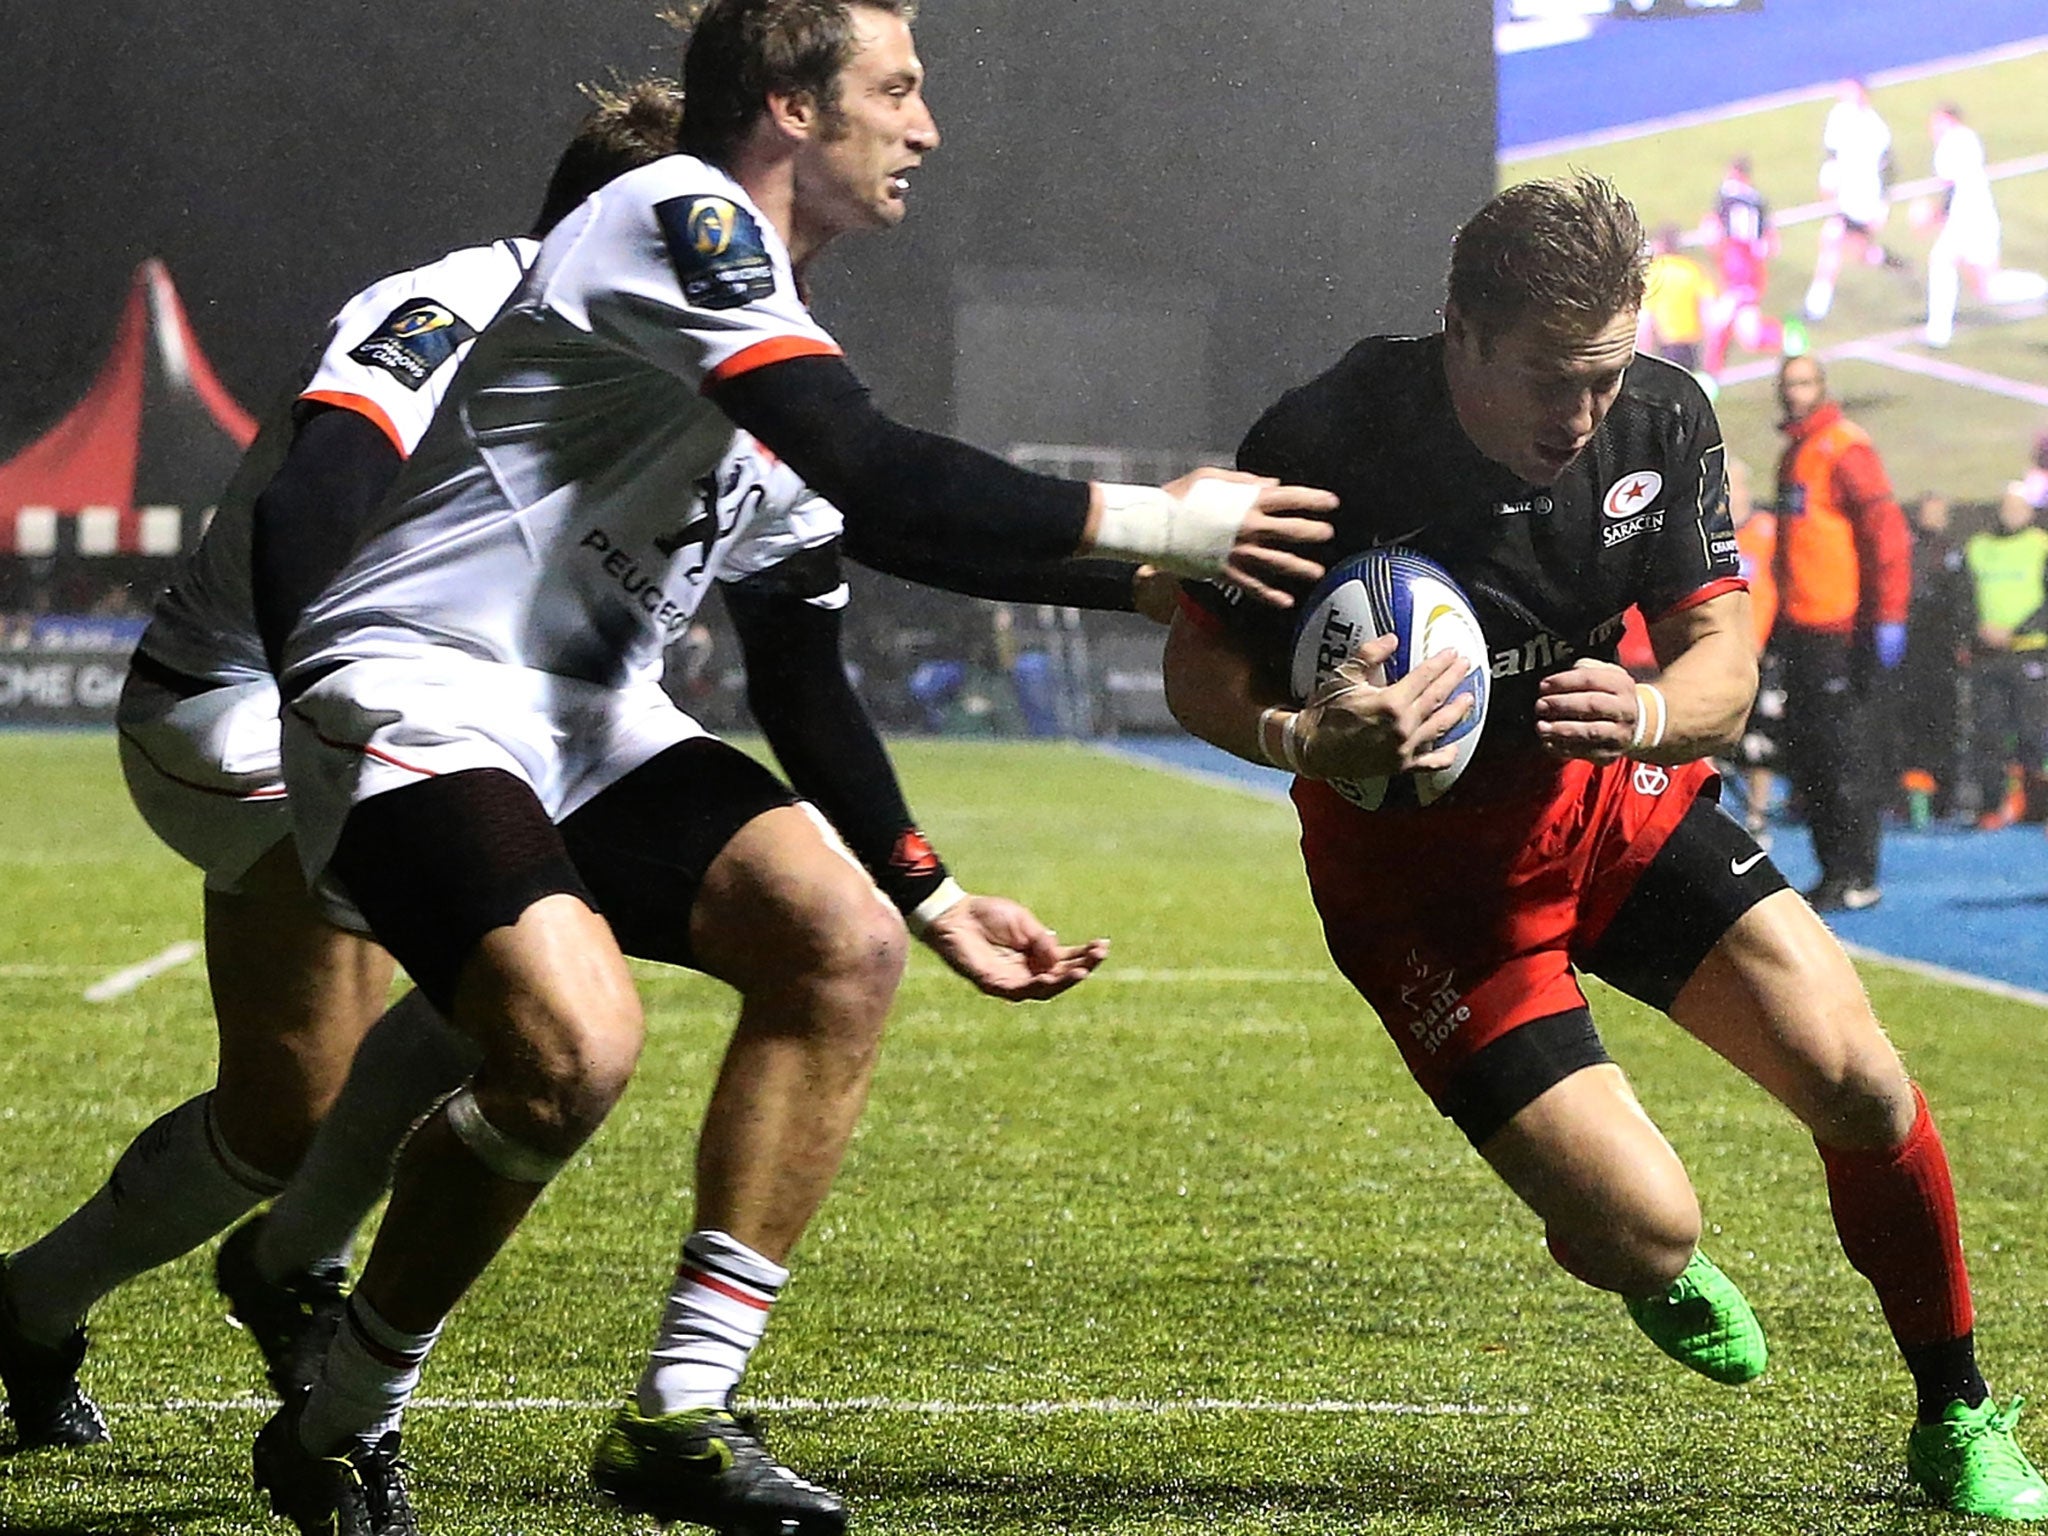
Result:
[
  {"x": 1632, "y": 493},
  {"x": 415, "y": 339},
  {"x": 718, "y": 251},
  {"x": 1628, "y": 507}
]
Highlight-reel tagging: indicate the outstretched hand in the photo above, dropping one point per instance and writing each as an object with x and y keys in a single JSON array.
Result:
[
  {"x": 1002, "y": 947},
  {"x": 1265, "y": 557}
]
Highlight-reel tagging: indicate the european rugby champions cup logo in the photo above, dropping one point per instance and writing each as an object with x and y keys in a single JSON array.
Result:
[
  {"x": 710, "y": 224},
  {"x": 428, "y": 317},
  {"x": 414, "y": 340},
  {"x": 718, "y": 250}
]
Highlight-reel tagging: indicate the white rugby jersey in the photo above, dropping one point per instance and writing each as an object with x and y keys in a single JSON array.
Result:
[
  {"x": 388, "y": 355},
  {"x": 576, "y": 494},
  {"x": 1858, "y": 139},
  {"x": 1959, "y": 161}
]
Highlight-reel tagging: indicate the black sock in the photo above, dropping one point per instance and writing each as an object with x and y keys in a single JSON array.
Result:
[{"x": 1946, "y": 1373}]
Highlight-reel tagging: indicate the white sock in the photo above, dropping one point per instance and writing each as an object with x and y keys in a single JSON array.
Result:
[
  {"x": 1820, "y": 298},
  {"x": 410, "y": 1060},
  {"x": 365, "y": 1382},
  {"x": 717, "y": 1311},
  {"x": 1944, "y": 286},
  {"x": 176, "y": 1186}
]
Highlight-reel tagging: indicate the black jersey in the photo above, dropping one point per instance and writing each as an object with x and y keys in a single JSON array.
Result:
[{"x": 1640, "y": 517}]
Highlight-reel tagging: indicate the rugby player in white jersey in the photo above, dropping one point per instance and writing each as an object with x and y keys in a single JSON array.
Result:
[
  {"x": 293, "y": 994},
  {"x": 1967, "y": 230},
  {"x": 1858, "y": 143},
  {"x": 484, "y": 669}
]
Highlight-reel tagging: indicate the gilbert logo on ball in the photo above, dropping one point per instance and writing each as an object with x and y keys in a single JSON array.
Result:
[{"x": 1409, "y": 596}]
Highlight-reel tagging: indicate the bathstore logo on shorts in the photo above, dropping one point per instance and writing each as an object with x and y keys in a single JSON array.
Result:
[
  {"x": 1435, "y": 1005},
  {"x": 1651, "y": 780}
]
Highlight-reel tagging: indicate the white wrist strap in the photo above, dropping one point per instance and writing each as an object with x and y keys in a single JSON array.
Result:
[
  {"x": 935, "y": 906},
  {"x": 1288, "y": 754},
  {"x": 1653, "y": 714},
  {"x": 1190, "y": 535}
]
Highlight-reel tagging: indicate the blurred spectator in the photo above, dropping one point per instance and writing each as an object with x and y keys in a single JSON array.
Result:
[
  {"x": 1858, "y": 143},
  {"x": 1678, "y": 298},
  {"x": 1966, "y": 219},
  {"x": 1939, "y": 628},
  {"x": 1844, "y": 573},
  {"x": 2033, "y": 485},
  {"x": 2009, "y": 569},
  {"x": 1743, "y": 240}
]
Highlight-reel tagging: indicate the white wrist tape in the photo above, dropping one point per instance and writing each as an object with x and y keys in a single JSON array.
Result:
[
  {"x": 933, "y": 907},
  {"x": 1653, "y": 714},
  {"x": 1273, "y": 749},
  {"x": 1190, "y": 535},
  {"x": 1292, "y": 747}
]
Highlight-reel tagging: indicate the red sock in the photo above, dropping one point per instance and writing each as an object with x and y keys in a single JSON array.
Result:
[{"x": 1896, "y": 1214}]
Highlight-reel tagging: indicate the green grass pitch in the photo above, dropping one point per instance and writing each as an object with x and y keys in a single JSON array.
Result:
[{"x": 1091, "y": 1265}]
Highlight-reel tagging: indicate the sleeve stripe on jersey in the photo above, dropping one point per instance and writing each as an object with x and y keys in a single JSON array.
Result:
[
  {"x": 1708, "y": 593},
  {"x": 776, "y": 349},
  {"x": 363, "y": 406}
]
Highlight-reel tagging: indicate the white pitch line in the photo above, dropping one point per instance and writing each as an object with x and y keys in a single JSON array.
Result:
[
  {"x": 1944, "y": 370},
  {"x": 1905, "y": 191},
  {"x": 1218, "y": 975},
  {"x": 1037, "y": 1408},
  {"x": 128, "y": 978},
  {"x": 1964, "y": 979},
  {"x": 1728, "y": 111},
  {"x": 1880, "y": 350}
]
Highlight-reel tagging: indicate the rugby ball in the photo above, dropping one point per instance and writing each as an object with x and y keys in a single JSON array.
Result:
[{"x": 1400, "y": 593}]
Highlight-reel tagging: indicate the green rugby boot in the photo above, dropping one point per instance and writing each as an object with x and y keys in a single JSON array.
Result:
[
  {"x": 709, "y": 1467},
  {"x": 1704, "y": 1324},
  {"x": 1969, "y": 1462}
]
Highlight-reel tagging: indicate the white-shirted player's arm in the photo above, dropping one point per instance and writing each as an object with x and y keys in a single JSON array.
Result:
[
  {"x": 1696, "y": 708},
  {"x": 817, "y": 417}
]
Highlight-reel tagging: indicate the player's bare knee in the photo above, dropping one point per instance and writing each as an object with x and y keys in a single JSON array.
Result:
[
  {"x": 1867, "y": 1104},
  {"x": 555, "y": 1077},
  {"x": 853, "y": 945},
  {"x": 551, "y": 1110}
]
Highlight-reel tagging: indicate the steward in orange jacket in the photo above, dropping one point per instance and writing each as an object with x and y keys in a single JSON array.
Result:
[{"x": 1844, "y": 568}]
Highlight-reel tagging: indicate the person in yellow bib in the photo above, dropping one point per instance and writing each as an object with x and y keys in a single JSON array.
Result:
[
  {"x": 1676, "y": 299},
  {"x": 2009, "y": 664}
]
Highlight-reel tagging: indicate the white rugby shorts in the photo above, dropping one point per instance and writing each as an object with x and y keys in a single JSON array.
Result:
[
  {"x": 204, "y": 772},
  {"x": 1969, "y": 241},
  {"x": 377, "y": 725}
]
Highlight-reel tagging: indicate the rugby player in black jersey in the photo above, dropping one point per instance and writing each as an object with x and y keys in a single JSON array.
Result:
[{"x": 1560, "y": 479}]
